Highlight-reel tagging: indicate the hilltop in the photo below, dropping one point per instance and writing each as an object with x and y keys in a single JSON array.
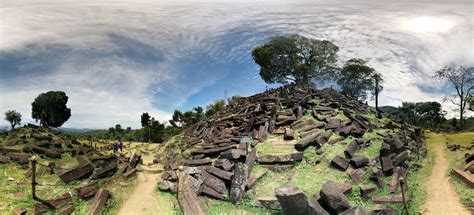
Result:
[{"x": 318, "y": 145}]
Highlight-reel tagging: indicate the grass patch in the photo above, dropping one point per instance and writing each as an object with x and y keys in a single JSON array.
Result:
[{"x": 267, "y": 148}]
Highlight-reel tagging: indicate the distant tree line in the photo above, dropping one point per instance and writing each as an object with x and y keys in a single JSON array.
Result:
[{"x": 427, "y": 115}]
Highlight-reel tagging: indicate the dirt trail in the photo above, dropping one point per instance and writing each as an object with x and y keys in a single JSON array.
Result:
[
  {"x": 442, "y": 198},
  {"x": 142, "y": 200}
]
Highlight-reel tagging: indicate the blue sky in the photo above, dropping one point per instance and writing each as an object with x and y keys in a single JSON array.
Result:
[{"x": 116, "y": 60}]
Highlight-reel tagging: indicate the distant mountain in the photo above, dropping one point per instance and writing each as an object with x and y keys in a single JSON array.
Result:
[
  {"x": 389, "y": 109},
  {"x": 75, "y": 130}
]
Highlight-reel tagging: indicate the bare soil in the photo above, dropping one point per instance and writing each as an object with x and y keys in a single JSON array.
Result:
[
  {"x": 142, "y": 200},
  {"x": 442, "y": 198}
]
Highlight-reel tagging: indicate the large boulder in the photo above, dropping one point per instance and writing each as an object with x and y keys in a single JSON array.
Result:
[{"x": 292, "y": 200}]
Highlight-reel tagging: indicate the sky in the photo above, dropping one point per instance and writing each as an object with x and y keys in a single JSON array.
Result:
[{"x": 117, "y": 59}]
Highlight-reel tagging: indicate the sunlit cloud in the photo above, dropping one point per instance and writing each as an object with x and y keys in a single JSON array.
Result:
[{"x": 117, "y": 60}]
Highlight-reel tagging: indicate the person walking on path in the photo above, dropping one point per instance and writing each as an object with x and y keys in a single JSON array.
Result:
[{"x": 121, "y": 146}]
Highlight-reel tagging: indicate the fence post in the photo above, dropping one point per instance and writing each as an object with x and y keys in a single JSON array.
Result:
[
  {"x": 402, "y": 187},
  {"x": 33, "y": 176}
]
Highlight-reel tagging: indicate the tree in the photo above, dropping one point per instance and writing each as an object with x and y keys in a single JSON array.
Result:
[
  {"x": 112, "y": 132},
  {"x": 215, "y": 107},
  {"x": 462, "y": 79},
  {"x": 145, "y": 119},
  {"x": 377, "y": 88},
  {"x": 50, "y": 108},
  {"x": 176, "y": 119},
  {"x": 13, "y": 117},
  {"x": 357, "y": 79},
  {"x": 234, "y": 99},
  {"x": 198, "y": 114},
  {"x": 296, "y": 59}
]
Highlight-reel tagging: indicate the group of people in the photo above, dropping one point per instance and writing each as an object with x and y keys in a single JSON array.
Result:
[{"x": 118, "y": 145}]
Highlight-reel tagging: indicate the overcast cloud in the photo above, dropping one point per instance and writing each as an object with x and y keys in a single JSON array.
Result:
[{"x": 117, "y": 60}]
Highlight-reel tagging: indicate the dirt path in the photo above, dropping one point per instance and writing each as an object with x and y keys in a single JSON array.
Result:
[
  {"x": 142, "y": 200},
  {"x": 442, "y": 198}
]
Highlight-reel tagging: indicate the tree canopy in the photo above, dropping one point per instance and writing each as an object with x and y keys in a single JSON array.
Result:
[
  {"x": 145, "y": 119},
  {"x": 13, "y": 117},
  {"x": 50, "y": 108},
  {"x": 297, "y": 59},
  {"x": 357, "y": 79},
  {"x": 462, "y": 79}
]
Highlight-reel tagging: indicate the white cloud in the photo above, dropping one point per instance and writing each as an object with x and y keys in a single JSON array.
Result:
[{"x": 117, "y": 60}]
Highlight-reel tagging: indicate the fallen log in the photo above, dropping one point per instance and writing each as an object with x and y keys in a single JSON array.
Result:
[
  {"x": 351, "y": 149},
  {"x": 87, "y": 191},
  {"x": 80, "y": 171},
  {"x": 394, "y": 180},
  {"x": 340, "y": 163},
  {"x": 52, "y": 204},
  {"x": 307, "y": 141},
  {"x": 388, "y": 199},
  {"x": 137, "y": 156},
  {"x": 107, "y": 171},
  {"x": 99, "y": 201},
  {"x": 213, "y": 182},
  {"x": 198, "y": 162},
  {"x": 465, "y": 177},
  {"x": 187, "y": 197},
  {"x": 219, "y": 173}
]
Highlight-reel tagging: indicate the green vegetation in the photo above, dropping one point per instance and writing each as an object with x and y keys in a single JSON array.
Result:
[
  {"x": 296, "y": 59},
  {"x": 356, "y": 79},
  {"x": 50, "y": 108},
  {"x": 13, "y": 117}
]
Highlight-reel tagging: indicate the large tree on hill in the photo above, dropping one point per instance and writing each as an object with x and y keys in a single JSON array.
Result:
[
  {"x": 357, "y": 79},
  {"x": 13, "y": 117},
  {"x": 296, "y": 59},
  {"x": 462, "y": 79},
  {"x": 50, "y": 108},
  {"x": 145, "y": 119}
]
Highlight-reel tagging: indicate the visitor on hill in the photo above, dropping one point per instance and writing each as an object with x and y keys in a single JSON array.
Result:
[
  {"x": 121, "y": 146},
  {"x": 115, "y": 147}
]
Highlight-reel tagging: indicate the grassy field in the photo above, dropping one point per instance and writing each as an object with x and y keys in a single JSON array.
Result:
[{"x": 456, "y": 160}]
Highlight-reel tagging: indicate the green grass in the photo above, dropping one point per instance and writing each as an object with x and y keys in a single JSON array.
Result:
[
  {"x": 267, "y": 148},
  {"x": 168, "y": 203},
  {"x": 245, "y": 206}
]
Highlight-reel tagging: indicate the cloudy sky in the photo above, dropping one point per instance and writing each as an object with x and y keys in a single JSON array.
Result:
[{"x": 116, "y": 59}]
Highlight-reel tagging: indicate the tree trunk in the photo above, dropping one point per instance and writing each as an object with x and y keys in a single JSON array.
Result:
[
  {"x": 461, "y": 124},
  {"x": 377, "y": 97}
]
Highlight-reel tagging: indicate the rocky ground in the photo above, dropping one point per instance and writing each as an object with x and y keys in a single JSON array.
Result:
[
  {"x": 294, "y": 149},
  {"x": 71, "y": 176}
]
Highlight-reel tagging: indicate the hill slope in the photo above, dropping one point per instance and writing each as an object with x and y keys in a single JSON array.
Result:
[{"x": 296, "y": 136}]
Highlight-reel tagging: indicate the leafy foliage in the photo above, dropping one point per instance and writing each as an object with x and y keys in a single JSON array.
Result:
[
  {"x": 215, "y": 107},
  {"x": 296, "y": 59},
  {"x": 50, "y": 108},
  {"x": 145, "y": 119},
  {"x": 13, "y": 117},
  {"x": 356, "y": 79}
]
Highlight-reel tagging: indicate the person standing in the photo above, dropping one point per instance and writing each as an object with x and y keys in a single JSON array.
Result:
[{"x": 121, "y": 146}]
